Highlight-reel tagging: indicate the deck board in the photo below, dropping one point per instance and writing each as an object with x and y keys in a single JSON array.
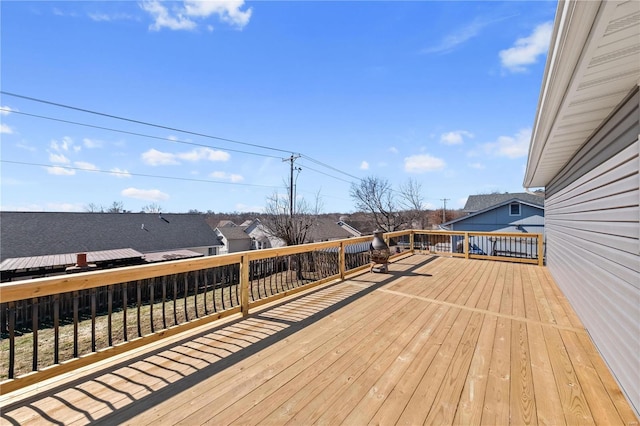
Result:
[{"x": 436, "y": 341}]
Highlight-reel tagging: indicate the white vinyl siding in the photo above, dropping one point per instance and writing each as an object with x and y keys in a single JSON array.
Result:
[{"x": 592, "y": 222}]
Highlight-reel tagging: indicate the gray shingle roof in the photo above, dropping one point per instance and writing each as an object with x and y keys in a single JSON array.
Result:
[
  {"x": 480, "y": 202},
  {"x": 234, "y": 232},
  {"x": 326, "y": 229},
  {"x": 40, "y": 233}
]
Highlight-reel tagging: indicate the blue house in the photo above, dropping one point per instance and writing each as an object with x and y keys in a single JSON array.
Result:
[{"x": 508, "y": 212}]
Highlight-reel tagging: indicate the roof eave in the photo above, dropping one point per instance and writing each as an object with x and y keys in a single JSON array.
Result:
[{"x": 569, "y": 82}]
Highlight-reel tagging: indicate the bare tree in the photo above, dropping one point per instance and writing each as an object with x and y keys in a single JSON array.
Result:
[
  {"x": 291, "y": 228},
  {"x": 290, "y": 225},
  {"x": 376, "y": 196},
  {"x": 93, "y": 208},
  {"x": 116, "y": 207},
  {"x": 152, "y": 208},
  {"x": 412, "y": 200}
]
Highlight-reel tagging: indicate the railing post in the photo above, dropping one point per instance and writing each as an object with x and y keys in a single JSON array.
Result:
[
  {"x": 342, "y": 260},
  {"x": 466, "y": 243},
  {"x": 411, "y": 240},
  {"x": 540, "y": 249},
  {"x": 244, "y": 285}
]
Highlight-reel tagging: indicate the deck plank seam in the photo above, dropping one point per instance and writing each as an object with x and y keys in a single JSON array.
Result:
[{"x": 483, "y": 311}]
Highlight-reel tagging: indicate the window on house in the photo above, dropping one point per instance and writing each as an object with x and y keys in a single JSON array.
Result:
[{"x": 514, "y": 209}]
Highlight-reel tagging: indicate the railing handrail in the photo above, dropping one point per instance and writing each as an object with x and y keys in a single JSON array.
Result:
[{"x": 46, "y": 286}]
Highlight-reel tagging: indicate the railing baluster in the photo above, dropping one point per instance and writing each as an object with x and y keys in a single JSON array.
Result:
[
  {"x": 76, "y": 297},
  {"x": 125, "y": 301},
  {"x": 151, "y": 302},
  {"x": 34, "y": 332},
  {"x": 164, "y": 300},
  {"x": 11, "y": 313},
  {"x": 94, "y": 293},
  {"x": 186, "y": 292},
  {"x": 205, "y": 283},
  {"x": 56, "y": 329},
  {"x": 195, "y": 294},
  {"x": 175, "y": 299},
  {"x": 139, "y": 307},
  {"x": 109, "y": 317}
]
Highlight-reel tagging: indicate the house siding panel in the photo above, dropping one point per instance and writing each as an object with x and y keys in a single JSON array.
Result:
[{"x": 593, "y": 243}]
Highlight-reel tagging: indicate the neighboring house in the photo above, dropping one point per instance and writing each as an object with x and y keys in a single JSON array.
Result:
[
  {"x": 325, "y": 229},
  {"x": 252, "y": 235},
  {"x": 233, "y": 239},
  {"x": 585, "y": 153},
  {"x": 475, "y": 203},
  {"x": 515, "y": 212},
  {"x": 112, "y": 238}
]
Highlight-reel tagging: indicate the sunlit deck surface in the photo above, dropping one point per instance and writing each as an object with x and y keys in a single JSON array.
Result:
[{"x": 436, "y": 340}]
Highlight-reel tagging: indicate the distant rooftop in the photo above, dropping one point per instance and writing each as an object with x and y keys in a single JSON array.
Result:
[{"x": 480, "y": 202}]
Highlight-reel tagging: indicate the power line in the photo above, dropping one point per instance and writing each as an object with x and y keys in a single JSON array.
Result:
[
  {"x": 126, "y": 132},
  {"x": 145, "y": 123},
  {"x": 57, "y": 104},
  {"x": 330, "y": 167},
  {"x": 23, "y": 163}
]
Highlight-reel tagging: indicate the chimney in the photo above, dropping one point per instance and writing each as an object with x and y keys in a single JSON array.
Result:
[
  {"x": 81, "y": 264},
  {"x": 81, "y": 261}
]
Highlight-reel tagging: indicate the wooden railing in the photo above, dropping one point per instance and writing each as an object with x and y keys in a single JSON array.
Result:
[{"x": 57, "y": 324}]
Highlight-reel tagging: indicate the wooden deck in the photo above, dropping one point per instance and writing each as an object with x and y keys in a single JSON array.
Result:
[{"x": 435, "y": 341}]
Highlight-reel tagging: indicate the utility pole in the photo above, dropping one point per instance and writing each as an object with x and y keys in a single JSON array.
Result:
[
  {"x": 444, "y": 208},
  {"x": 291, "y": 159}
]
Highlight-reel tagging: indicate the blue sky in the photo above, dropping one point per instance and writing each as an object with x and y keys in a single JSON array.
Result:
[{"x": 444, "y": 93}]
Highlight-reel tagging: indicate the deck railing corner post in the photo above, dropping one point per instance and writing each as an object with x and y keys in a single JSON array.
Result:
[{"x": 540, "y": 249}]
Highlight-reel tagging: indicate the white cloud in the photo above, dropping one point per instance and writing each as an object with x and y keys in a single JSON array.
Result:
[
  {"x": 120, "y": 173},
  {"x": 85, "y": 166},
  {"x": 153, "y": 157},
  {"x": 164, "y": 19},
  {"x": 364, "y": 165},
  {"x": 477, "y": 166},
  {"x": 105, "y": 17},
  {"x": 184, "y": 16},
  {"x": 204, "y": 154},
  {"x": 423, "y": 163},
  {"x": 462, "y": 35},
  {"x": 58, "y": 158},
  {"x": 526, "y": 50},
  {"x": 65, "y": 144},
  {"x": 393, "y": 150},
  {"x": 26, "y": 147},
  {"x": 510, "y": 146},
  {"x": 5, "y": 110},
  {"x": 60, "y": 171},
  {"x": 92, "y": 143},
  {"x": 235, "y": 178},
  {"x": 455, "y": 138},
  {"x": 5, "y": 129},
  {"x": 228, "y": 11},
  {"x": 145, "y": 194}
]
